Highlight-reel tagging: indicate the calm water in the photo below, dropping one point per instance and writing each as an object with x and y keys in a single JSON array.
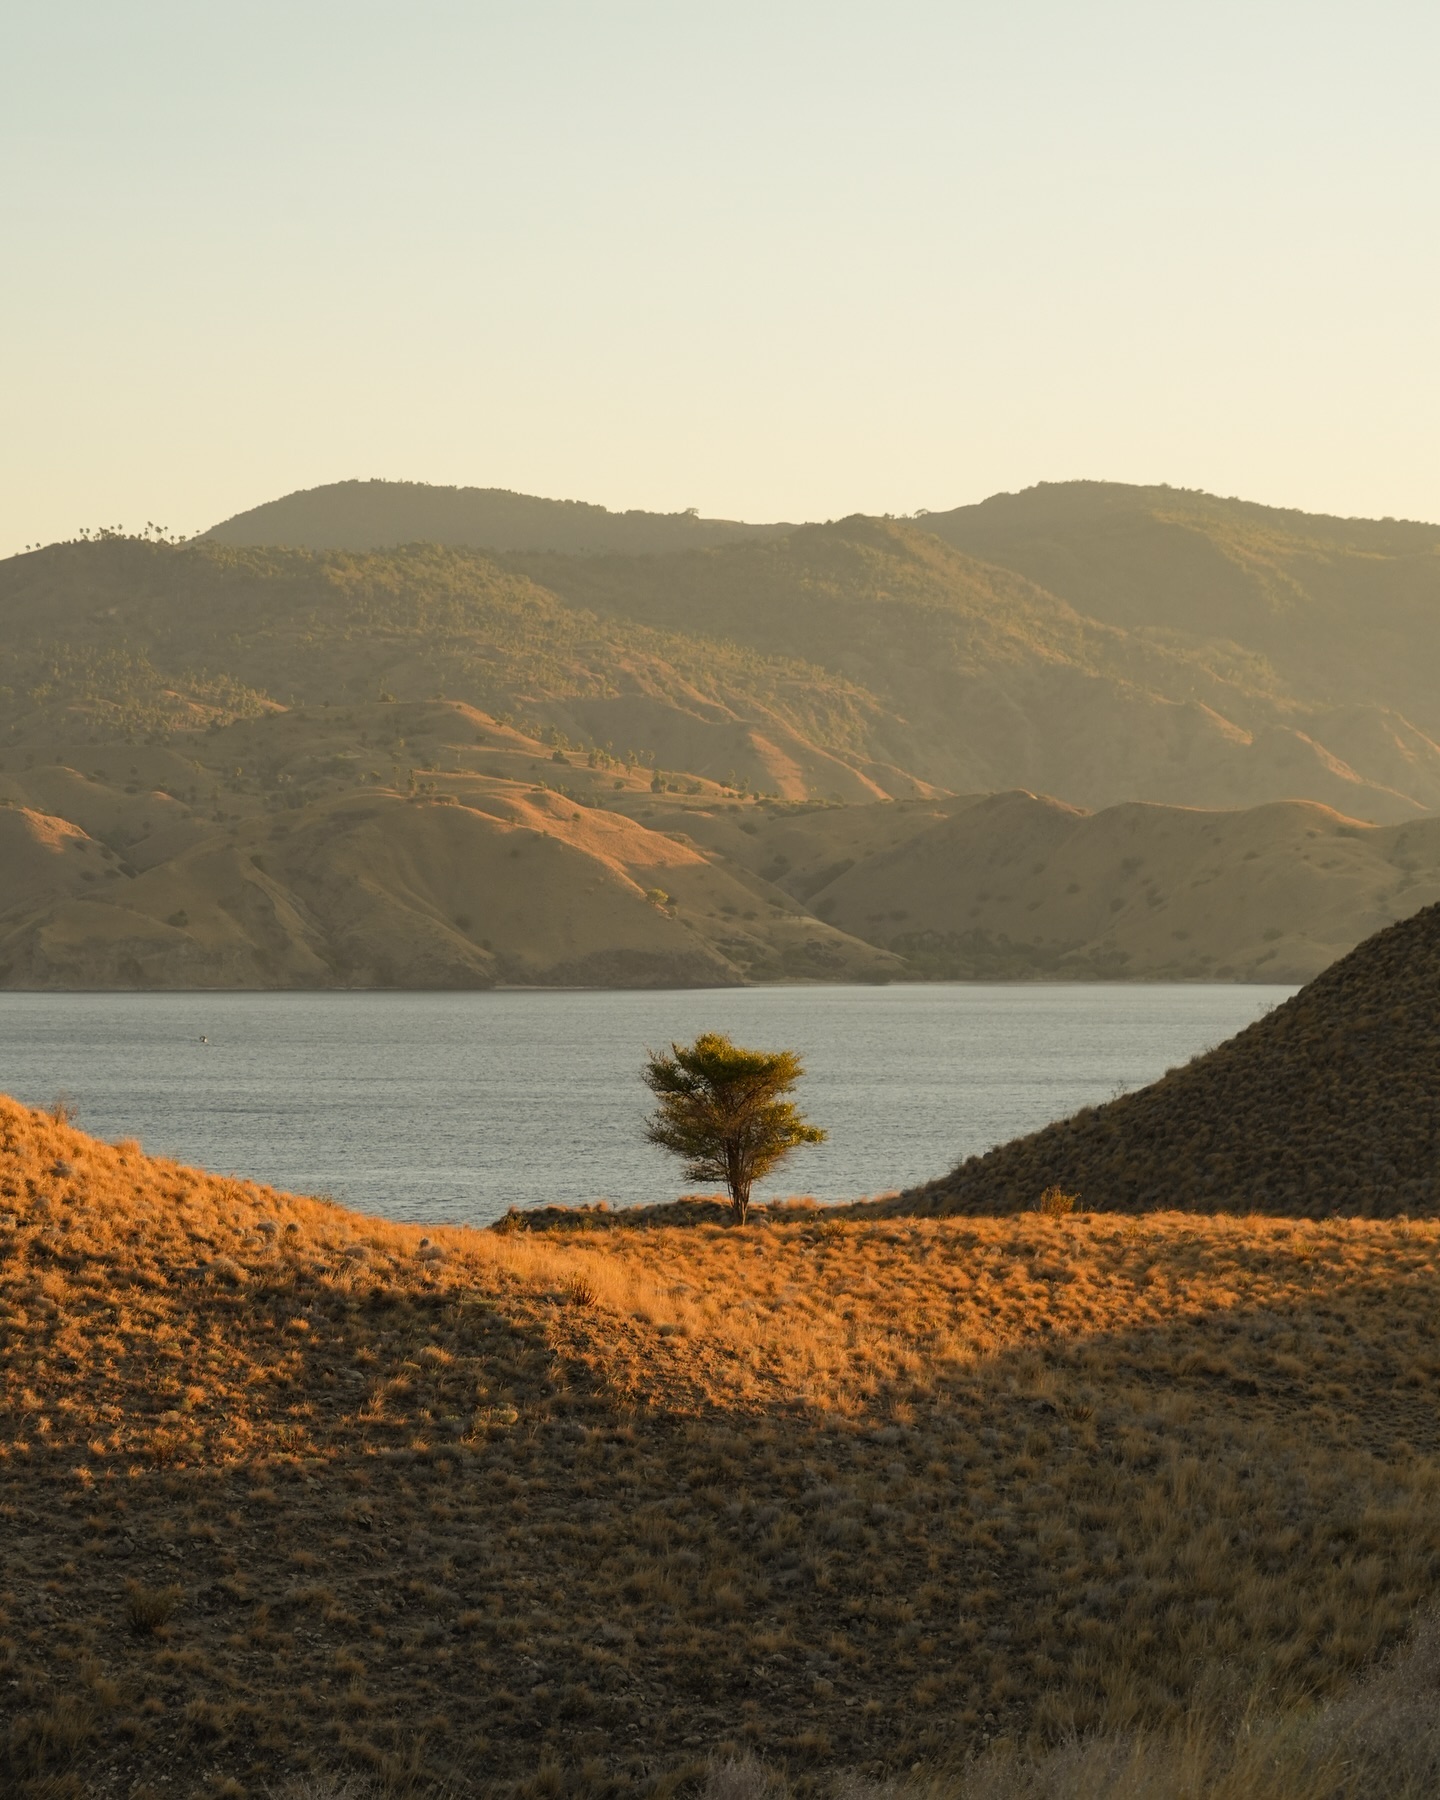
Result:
[{"x": 451, "y": 1107}]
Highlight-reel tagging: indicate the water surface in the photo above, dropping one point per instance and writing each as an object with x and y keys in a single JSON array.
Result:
[{"x": 451, "y": 1107}]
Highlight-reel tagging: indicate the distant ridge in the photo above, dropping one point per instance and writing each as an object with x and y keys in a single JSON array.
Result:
[
  {"x": 376, "y": 515},
  {"x": 1327, "y": 1106}
]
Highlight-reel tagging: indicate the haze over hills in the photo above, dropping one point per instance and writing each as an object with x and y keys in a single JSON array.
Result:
[
  {"x": 1003, "y": 682},
  {"x": 189, "y": 713}
]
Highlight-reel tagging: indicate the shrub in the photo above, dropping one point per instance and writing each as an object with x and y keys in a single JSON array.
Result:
[
  {"x": 1055, "y": 1203},
  {"x": 147, "y": 1608}
]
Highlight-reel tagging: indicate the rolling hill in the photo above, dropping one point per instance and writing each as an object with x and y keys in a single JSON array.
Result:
[
  {"x": 289, "y": 849},
  {"x": 1327, "y": 1106},
  {"x": 299, "y": 1502},
  {"x": 1185, "y": 675}
]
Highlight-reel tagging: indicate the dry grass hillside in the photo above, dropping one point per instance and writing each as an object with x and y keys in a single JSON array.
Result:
[
  {"x": 425, "y": 844},
  {"x": 141, "y": 637},
  {"x": 1328, "y": 1105},
  {"x": 380, "y": 845},
  {"x": 292, "y": 1494},
  {"x": 764, "y": 759},
  {"x": 1014, "y": 886}
]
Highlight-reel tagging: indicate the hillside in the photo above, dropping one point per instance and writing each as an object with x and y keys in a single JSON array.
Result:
[
  {"x": 1015, "y": 886},
  {"x": 295, "y": 1495},
  {"x": 426, "y": 844},
  {"x": 192, "y": 708},
  {"x": 987, "y": 679},
  {"x": 377, "y": 515},
  {"x": 1328, "y": 1105},
  {"x": 379, "y": 845},
  {"x": 1340, "y": 613}
]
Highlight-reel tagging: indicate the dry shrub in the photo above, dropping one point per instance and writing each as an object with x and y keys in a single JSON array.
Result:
[
  {"x": 148, "y": 1608},
  {"x": 1055, "y": 1203},
  {"x": 743, "y": 1778}
]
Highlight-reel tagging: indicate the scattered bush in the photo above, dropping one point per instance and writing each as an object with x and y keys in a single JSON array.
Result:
[{"x": 148, "y": 1608}]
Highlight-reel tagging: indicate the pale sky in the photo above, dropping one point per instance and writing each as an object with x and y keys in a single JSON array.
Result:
[{"x": 781, "y": 260}]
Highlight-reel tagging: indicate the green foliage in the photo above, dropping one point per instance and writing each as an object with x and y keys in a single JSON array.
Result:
[{"x": 722, "y": 1109}]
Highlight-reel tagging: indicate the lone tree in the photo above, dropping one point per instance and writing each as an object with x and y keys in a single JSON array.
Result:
[{"x": 721, "y": 1108}]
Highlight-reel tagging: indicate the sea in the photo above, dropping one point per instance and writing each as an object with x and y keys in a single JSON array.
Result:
[{"x": 450, "y": 1108}]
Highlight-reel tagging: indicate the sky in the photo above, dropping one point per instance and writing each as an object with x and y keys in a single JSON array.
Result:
[{"x": 773, "y": 261}]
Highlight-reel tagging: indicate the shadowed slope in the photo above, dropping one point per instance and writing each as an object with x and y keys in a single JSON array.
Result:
[{"x": 1329, "y": 1105}]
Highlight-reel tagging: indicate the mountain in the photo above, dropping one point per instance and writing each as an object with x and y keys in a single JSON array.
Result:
[
  {"x": 907, "y": 710},
  {"x": 1326, "y": 1106},
  {"x": 376, "y": 515},
  {"x": 987, "y": 679},
  {"x": 1335, "y": 618}
]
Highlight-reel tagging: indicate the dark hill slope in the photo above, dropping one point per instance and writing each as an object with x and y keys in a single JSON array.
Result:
[
  {"x": 375, "y": 515},
  {"x": 1329, "y": 1105}
]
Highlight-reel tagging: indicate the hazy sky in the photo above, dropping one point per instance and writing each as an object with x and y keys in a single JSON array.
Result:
[{"x": 785, "y": 260}]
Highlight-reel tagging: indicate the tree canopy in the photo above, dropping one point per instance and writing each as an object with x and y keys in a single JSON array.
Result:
[{"x": 722, "y": 1109}]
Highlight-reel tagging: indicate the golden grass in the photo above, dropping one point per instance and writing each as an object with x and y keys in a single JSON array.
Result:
[{"x": 289, "y": 1493}]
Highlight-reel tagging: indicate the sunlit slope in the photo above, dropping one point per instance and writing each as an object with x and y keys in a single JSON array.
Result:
[
  {"x": 289, "y": 1492},
  {"x": 147, "y": 637},
  {"x": 1330, "y": 1105},
  {"x": 987, "y": 679},
  {"x": 372, "y": 515},
  {"x": 1337, "y": 614},
  {"x": 475, "y": 872},
  {"x": 428, "y": 844},
  {"x": 1015, "y": 886}
]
